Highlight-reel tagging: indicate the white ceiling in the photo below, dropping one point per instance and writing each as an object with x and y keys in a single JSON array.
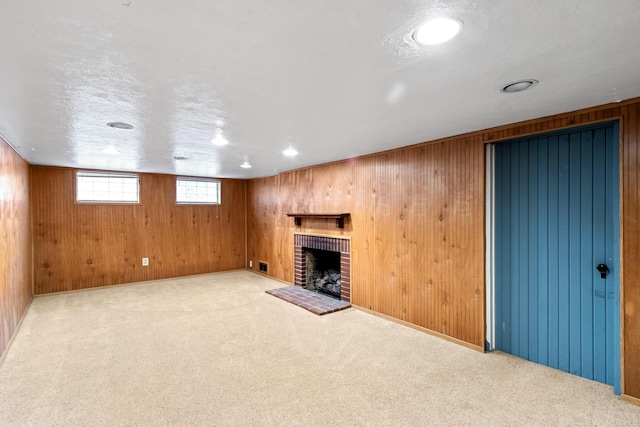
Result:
[{"x": 333, "y": 78}]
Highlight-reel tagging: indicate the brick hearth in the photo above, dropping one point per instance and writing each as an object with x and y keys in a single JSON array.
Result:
[{"x": 312, "y": 301}]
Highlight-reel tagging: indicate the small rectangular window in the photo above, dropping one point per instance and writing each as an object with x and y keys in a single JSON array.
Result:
[
  {"x": 103, "y": 187},
  {"x": 197, "y": 191}
]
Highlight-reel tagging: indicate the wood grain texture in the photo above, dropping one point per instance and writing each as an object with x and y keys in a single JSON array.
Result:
[
  {"x": 416, "y": 253},
  {"x": 417, "y": 226},
  {"x": 79, "y": 246},
  {"x": 15, "y": 248},
  {"x": 631, "y": 250}
]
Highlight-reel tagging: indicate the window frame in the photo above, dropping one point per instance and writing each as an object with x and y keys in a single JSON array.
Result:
[
  {"x": 202, "y": 180},
  {"x": 105, "y": 174}
]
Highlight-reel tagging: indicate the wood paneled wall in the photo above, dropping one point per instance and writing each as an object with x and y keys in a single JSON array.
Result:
[
  {"x": 79, "y": 246},
  {"x": 630, "y": 130},
  {"x": 417, "y": 226},
  {"x": 417, "y": 220},
  {"x": 15, "y": 247}
]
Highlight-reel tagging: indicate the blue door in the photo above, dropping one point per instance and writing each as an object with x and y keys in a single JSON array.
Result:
[{"x": 557, "y": 298}]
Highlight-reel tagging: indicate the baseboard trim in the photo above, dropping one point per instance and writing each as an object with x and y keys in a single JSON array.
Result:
[
  {"x": 268, "y": 277},
  {"x": 15, "y": 332},
  {"x": 164, "y": 279},
  {"x": 630, "y": 399},
  {"x": 421, "y": 329},
  {"x": 392, "y": 319}
]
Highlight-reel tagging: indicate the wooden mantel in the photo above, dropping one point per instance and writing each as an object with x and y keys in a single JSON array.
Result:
[{"x": 339, "y": 217}]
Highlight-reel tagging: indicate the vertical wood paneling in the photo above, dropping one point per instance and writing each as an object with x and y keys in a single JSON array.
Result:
[
  {"x": 443, "y": 279},
  {"x": 631, "y": 249},
  {"x": 416, "y": 255},
  {"x": 567, "y": 211},
  {"x": 15, "y": 244},
  {"x": 554, "y": 256},
  {"x": 592, "y": 200},
  {"x": 79, "y": 246}
]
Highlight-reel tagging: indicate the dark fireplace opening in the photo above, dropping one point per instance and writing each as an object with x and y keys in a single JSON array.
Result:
[{"x": 323, "y": 271}]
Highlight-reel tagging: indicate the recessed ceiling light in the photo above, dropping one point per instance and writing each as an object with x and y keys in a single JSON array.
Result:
[
  {"x": 519, "y": 86},
  {"x": 120, "y": 125},
  {"x": 219, "y": 141},
  {"x": 245, "y": 165},
  {"x": 110, "y": 150},
  {"x": 437, "y": 30},
  {"x": 290, "y": 152}
]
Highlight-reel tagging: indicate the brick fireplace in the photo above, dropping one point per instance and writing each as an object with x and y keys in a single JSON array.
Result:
[{"x": 340, "y": 245}]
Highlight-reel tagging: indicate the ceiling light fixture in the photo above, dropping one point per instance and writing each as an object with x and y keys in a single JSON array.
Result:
[
  {"x": 290, "y": 152},
  {"x": 245, "y": 165},
  {"x": 110, "y": 150},
  {"x": 437, "y": 30},
  {"x": 519, "y": 85},
  {"x": 219, "y": 141},
  {"x": 120, "y": 125}
]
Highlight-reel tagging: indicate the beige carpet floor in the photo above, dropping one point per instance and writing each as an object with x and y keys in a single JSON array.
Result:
[{"x": 217, "y": 350}]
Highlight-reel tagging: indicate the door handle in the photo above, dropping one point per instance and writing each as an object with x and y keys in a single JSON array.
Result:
[{"x": 603, "y": 269}]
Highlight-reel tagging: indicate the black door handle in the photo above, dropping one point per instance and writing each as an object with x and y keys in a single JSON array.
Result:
[{"x": 603, "y": 269}]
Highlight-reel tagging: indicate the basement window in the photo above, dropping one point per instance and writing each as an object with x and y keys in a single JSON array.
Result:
[
  {"x": 194, "y": 191},
  {"x": 103, "y": 187}
]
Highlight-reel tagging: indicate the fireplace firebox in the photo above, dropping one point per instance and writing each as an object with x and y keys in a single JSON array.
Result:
[{"x": 323, "y": 271}]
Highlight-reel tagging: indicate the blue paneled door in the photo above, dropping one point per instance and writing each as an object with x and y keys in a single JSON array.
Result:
[{"x": 556, "y": 219}]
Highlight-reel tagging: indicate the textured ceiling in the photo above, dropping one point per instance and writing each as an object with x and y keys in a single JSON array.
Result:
[{"x": 334, "y": 79}]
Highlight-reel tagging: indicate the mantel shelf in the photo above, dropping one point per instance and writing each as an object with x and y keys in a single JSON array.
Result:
[{"x": 339, "y": 217}]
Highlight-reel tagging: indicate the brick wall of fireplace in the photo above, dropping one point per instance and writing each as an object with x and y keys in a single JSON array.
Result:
[{"x": 335, "y": 244}]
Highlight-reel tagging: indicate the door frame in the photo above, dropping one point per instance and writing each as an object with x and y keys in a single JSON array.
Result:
[
  {"x": 490, "y": 252},
  {"x": 490, "y": 289}
]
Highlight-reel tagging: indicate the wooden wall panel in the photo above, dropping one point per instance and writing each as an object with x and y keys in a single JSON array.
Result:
[
  {"x": 417, "y": 226},
  {"x": 79, "y": 246},
  {"x": 412, "y": 229},
  {"x": 15, "y": 248},
  {"x": 630, "y": 249}
]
